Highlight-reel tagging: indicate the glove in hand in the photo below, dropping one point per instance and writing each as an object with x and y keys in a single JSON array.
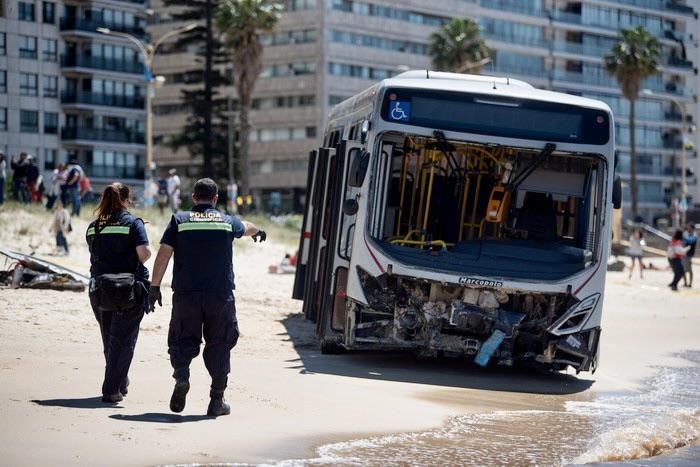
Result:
[
  {"x": 260, "y": 235},
  {"x": 153, "y": 297}
]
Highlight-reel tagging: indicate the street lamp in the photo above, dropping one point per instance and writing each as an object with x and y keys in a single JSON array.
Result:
[
  {"x": 684, "y": 112},
  {"x": 148, "y": 51}
]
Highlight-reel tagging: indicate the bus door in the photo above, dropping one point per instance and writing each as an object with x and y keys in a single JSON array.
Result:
[
  {"x": 305, "y": 240},
  {"x": 312, "y": 243},
  {"x": 346, "y": 171}
]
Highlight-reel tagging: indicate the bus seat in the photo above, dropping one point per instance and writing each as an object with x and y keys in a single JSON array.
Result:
[{"x": 537, "y": 217}]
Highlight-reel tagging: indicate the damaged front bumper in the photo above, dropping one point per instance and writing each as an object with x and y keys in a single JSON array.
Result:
[{"x": 481, "y": 324}]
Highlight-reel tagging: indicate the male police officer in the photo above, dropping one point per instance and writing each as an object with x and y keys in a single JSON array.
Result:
[{"x": 203, "y": 302}]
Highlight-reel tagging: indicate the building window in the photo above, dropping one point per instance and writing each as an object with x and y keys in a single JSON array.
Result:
[
  {"x": 28, "y": 84},
  {"x": 48, "y": 12},
  {"x": 27, "y": 47},
  {"x": 3, "y": 44},
  {"x": 50, "y": 123},
  {"x": 26, "y": 11},
  {"x": 50, "y": 159},
  {"x": 3, "y": 119},
  {"x": 49, "y": 50},
  {"x": 3, "y": 82},
  {"x": 29, "y": 121},
  {"x": 50, "y": 86}
]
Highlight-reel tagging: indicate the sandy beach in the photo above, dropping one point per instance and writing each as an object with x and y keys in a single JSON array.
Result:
[{"x": 287, "y": 398}]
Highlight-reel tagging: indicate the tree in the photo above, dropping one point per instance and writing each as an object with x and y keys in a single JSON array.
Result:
[
  {"x": 240, "y": 22},
  {"x": 459, "y": 47},
  {"x": 630, "y": 61},
  {"x": 203, "y": 103},
  {"x": 195, "y": 133}
]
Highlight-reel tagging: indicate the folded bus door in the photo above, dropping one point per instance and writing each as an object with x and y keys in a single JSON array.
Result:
[
  {"x": 338, "y": 227},
  {"x": 305, "y": 240},
  {"x": 312, "y": 244}
]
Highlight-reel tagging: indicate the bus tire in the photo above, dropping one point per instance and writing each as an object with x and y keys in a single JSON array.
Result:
[{"x": 331, "y": 348}]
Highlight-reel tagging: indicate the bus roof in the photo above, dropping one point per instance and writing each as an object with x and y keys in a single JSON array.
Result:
[
  {"x": 482, "y": 84},
  {"x": 487, "y": 85}
]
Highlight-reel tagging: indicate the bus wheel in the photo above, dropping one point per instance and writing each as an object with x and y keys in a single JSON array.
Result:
[{"x": 331, "y": 348}]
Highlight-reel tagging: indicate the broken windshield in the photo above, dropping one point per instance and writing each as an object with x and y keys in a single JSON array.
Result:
[{"x": 489, "y": 210}]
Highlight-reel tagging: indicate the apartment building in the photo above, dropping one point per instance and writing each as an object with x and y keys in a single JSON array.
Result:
[
  {"x": 321, "y": 52},
  {"x": 68, "y": 91},
  {"x": 325, "y": 50}
]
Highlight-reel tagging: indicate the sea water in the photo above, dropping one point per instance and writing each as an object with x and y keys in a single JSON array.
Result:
[{"x": 658, "y": 427}]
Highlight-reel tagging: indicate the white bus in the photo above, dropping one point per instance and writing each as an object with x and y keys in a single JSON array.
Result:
[{"x": 461, "y": 215}]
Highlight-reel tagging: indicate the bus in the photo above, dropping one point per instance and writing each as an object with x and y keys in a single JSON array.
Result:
[{"x": 461, "y": 215}]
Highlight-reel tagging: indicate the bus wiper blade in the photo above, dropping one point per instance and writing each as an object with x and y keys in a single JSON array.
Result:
[{"x": 546, "y": 152}]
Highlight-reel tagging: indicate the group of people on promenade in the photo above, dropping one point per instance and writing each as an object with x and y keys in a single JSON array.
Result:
[
  {"x": 680, "y": 253},
  {"x": 203, "y": 304},
  {"x": 69, "y": 183}
]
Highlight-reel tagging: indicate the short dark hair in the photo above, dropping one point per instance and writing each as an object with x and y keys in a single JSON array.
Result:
[{"x": 205, "y": 189}]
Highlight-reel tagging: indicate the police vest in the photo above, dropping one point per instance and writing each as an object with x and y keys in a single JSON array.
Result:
[
  {"x": 113, "y": 245},
  {"x": 202, "y": 240}
]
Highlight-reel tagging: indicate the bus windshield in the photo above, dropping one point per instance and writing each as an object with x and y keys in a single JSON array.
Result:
[
  {"x": 504, "y": 211},
  {"x": 510, "y": 117}
]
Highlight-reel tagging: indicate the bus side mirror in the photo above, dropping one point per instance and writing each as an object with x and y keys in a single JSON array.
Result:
[
  {"x": 358, "y": 167},
  {"x": 364, "y": 131},
  {"x": 350, "y": 207},
  {"x": 617, "y": 192}
]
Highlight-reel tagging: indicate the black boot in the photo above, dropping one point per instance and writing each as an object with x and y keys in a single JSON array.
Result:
[
  {"x": 217, "y": 406},
  {"x": 124, "y": 387},
  {"x": 182, "y": 387}
]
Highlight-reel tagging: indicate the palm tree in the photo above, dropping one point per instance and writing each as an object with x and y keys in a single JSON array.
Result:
[
  {"x": 240, "y": 22},
  {"x": 458, "y": 46},
  {"x": 631, "y": 60}
]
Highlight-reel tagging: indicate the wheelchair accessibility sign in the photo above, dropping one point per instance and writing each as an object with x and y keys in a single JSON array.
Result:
[{"x": 400, "y": 111}]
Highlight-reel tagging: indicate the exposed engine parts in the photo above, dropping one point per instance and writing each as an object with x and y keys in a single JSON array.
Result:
[{"x": 452, "y": 320}]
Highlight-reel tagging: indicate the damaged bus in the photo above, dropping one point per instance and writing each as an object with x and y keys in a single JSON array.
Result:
[{"x": 461, "y": 215}]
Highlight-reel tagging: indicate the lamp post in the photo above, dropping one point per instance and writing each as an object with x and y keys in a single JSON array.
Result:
[
  {"x": 684, "y": 195},
  {"x": 147, "y": 52}
]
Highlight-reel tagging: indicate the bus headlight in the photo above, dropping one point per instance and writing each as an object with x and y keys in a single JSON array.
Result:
[{"x": 575, "y": 318}]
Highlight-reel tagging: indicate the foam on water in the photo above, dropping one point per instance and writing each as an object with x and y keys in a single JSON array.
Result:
[
  {"x": 656, "y": 422},
  {"x": 651, "y": 425}
]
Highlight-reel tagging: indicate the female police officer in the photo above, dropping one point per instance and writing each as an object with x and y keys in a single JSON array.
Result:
[{"x": 118, "y": 244}]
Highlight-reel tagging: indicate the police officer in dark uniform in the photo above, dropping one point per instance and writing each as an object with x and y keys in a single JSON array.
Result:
[
  {"x": 203, "y": 301},
  {"x": 118, "y": 244}
]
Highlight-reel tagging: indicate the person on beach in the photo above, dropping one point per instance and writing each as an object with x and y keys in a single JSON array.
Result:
[
  {"x": 162, "y": 195},
  {"x": 75, "y": 173},
  {"x": 60, "y": 228},
  {"x": 58, "y": 179},
  {"x": 636, "y": 251},
  {"x": 676, "y": 253},
  {"x": 3, "y": 177},
  {"x": 19, "y": 177},
  {"x": 173, "y": 186},
  {"x": 690, "y": 240},
  {"x": 203, "y": 301},
  {"x": 118, "y": 243}
]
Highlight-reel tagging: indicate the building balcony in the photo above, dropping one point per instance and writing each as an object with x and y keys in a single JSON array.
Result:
[
  {"x": 75, "y": 24},
  {"x": 113, "y": 172},
  {"x": 669, "y": 5},
  {"x": 101, "y": 63},
  {"x": 678, "y": 62},
  {"x": 97, "y": 134},
  {"x": 678, "y": 8},
  {"x": 514, "y": 6},
  {"x": 95, "y": 98}
]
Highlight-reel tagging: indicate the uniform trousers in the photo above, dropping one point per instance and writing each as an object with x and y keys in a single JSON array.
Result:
[
  {"x": 119, "y": 333},
  {"x": 203, "y": 314}
]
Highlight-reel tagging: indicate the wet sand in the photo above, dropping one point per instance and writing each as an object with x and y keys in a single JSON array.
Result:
[{"x": 287, "y": 398}]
